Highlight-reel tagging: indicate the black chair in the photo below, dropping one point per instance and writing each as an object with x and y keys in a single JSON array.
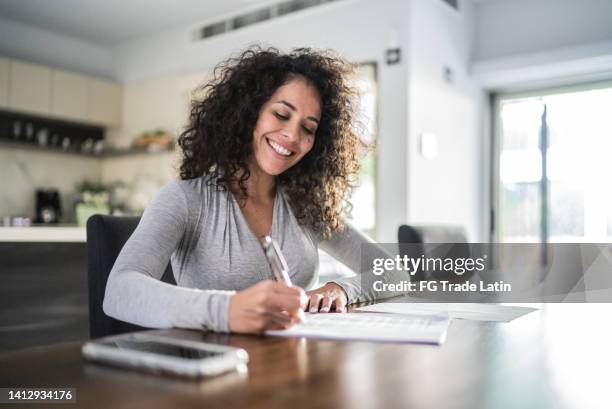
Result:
[
  {"x": 106, "y": 236},
  {"x": 431, "y": 233},
  {"x": 419, "y": 240}
]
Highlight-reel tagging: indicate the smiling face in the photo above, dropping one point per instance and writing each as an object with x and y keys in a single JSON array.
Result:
[{"x": 286, "y": 126}]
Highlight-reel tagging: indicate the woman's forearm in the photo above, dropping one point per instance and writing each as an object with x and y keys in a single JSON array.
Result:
[{"x": 133, "y": 297}]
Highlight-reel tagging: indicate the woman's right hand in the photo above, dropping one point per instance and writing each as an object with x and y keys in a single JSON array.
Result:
[{"x": 266, "y": 305}]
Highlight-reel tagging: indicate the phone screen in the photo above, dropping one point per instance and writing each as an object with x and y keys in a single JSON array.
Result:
[{"x": 162, "y": 348}]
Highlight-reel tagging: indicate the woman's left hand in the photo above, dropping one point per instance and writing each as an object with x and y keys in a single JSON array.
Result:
[{"x": 323, "y": 298}]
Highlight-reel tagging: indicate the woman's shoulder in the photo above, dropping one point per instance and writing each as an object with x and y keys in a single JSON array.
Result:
[
  {"x": 187, "y": 199},
  {"x": 195, "y": 188},
  {"x": 196, "y": 194}
]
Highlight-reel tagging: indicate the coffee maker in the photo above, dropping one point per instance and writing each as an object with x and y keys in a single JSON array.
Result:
[{"x": 48, "y": 208}]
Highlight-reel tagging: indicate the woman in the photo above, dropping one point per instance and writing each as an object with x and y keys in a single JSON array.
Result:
[{"x": 269, "y": 150}]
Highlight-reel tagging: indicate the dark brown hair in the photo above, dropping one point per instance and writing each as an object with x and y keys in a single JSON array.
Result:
[{"x": 218, "y": 138}]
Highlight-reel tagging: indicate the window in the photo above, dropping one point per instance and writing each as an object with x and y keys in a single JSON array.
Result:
[
  {"x": 552, "y": 166},
  {"x": 363, "y": 199}
]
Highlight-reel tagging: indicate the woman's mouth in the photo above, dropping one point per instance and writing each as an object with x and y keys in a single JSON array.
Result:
[{"x": 279, "y": 149}]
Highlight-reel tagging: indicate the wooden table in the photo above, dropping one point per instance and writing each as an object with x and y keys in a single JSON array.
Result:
[{"x": 558, "y": 357}]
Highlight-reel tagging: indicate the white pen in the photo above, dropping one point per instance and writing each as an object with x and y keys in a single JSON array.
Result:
[
  {"x": 276, "y": 260},
  {"x": 278, "y": 264}
]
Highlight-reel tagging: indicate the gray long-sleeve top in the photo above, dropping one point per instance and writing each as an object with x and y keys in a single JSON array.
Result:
[{"x": 213, "y": 253}]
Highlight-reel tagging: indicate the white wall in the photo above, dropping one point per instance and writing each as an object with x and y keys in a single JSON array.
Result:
[
  {"x": 506, "y": 28},
  {"x": 28, "y": 43},
  {"x": 360, "y": 29},
  {"x": 523, "y": 44},
  {"x": 446, "y": 189}
]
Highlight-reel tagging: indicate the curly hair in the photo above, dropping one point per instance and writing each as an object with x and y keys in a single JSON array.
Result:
[{"x": 218, "y": 138}]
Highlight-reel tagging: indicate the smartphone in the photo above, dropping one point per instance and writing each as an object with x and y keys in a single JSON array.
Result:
[{"x": 159, "y": 354}]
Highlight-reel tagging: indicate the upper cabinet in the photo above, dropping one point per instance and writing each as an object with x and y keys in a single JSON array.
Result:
[
  {"x": 105, "y": 102},
  {"x": 4, "y": 82},
  {"x": 40, "y": 90},
  {"x": 29, "y": 88},
  {"x": 70, "y": 96}
]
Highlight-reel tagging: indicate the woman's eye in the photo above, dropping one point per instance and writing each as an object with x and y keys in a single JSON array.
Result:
[
  {"x": 308, "y": 130},
  {"x": 281, "y": 116}
]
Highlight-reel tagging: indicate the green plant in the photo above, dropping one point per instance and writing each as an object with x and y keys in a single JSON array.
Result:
[{"x": 91, "y": 187}]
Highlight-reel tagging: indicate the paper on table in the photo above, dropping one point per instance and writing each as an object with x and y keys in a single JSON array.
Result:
[
  {"x": 468, "y": 311},
  {"x": 418, "y": 328}
]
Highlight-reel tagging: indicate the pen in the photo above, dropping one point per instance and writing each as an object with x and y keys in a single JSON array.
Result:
[
  {"x": 276, "y": 259},
  {"x": 278, "y": 265}
]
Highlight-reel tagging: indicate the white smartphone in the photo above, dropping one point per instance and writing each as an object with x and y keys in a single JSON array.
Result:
[{"x": 165, "y": 355}]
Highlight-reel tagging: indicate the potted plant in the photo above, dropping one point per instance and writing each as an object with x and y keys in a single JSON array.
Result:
[{"x": 94, "y": 199}]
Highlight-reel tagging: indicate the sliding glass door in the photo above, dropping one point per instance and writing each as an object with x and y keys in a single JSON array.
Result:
[{"x": 553, "y": 166}]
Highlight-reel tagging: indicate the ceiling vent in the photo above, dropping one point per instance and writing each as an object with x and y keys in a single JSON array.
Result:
[{"x": 254, "y": 17}]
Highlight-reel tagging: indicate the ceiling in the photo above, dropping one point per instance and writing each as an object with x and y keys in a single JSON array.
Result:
[{"x": 110, "y": 22}]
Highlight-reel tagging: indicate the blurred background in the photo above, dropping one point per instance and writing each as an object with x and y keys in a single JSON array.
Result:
[{"x": 489, "y": 115}]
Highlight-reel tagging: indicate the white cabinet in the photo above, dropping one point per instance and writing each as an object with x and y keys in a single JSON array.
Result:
[
  {"x": 39, "y": 90},
  {"x": 105, "y": 102},
  {"x": 86, "y": 99},
  {"x": 29, "y": 88},
  {"x": 4, "y": 82},
  {"x": 70, "y": 96}
]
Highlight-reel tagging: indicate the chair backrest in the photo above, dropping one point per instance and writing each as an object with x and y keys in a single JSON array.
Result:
[
  {"x": 431, "y": 233},
  {"x": 106, "y": 236},
  {"x": 413, "y": 239}
]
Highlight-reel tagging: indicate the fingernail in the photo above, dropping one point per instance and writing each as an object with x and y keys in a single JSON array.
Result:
[{"x": 324, "y": 309}]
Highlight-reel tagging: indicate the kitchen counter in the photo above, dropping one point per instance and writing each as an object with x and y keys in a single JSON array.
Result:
[
  {"x": 44, "y": 286},
  {"x": 44, "y": 234}
]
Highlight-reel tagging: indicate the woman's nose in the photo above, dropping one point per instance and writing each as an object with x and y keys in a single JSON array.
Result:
[{"x": 291, "y": 131}]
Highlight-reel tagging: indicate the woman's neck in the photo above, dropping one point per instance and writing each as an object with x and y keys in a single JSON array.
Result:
[{"x": 261, "y": 187}]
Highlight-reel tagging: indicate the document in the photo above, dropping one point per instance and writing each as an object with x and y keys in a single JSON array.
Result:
[
  {"x": 405, "y": 328},
  {"x": 468, "y": 311}
]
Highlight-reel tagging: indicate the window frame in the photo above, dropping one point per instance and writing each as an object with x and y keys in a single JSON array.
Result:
[
  {"x": 374, "y": 232},
  {"x": 496, "y": 100}
]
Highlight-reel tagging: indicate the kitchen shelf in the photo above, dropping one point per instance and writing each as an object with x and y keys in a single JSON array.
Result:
[
  {"x": 115, "y": 153},
  {"x": 8, "y": 144},
  {"x": 43, "y": 234},
  {"x": 109, "y": 153},
  {"x": 77, "y": 133}
]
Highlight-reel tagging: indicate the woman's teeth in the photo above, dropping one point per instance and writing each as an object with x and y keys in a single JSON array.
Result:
[{"x": 279, "y": 149}]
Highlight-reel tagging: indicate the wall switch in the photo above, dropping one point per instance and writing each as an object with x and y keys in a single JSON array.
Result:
[{"x": 429, "y": 145}]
